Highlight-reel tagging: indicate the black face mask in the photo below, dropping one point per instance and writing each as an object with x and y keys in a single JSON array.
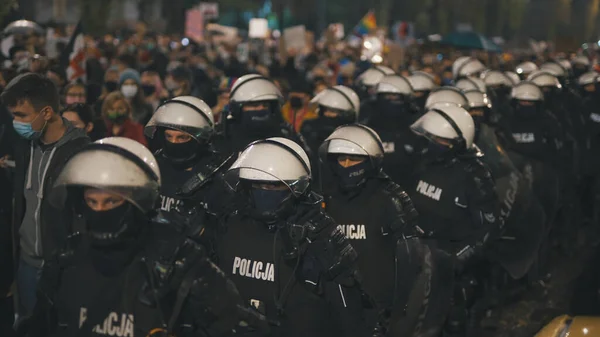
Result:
[
  {"x": 182, "y": 154},
  {"x": 526, "y": 110},
  {"x": 148, "y": 89},
  {"x": 393, "y": 111},
  {"x": 111, "y": 86},
  {"x": 268, "y": 205},
  {"x": 329, "y": 124},
  {"x": 258, "y": 122},
  {"x": 111, "y": 227},
  {"x": 296, "y": 102},
  {"x": 437, "y": 152},
  {"x": 351, "y": 177}
]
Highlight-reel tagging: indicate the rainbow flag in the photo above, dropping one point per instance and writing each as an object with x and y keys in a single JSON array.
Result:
[{"x": 366, "y": 25}]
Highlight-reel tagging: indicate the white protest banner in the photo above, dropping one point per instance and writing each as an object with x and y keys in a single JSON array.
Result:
[
  {"x": 258, "y": 28},
  {"x": 295, "y": 38}
]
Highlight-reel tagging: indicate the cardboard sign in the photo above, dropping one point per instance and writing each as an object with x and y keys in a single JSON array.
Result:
[
  {"x": 295, "y": 38},
  {"x": 194, "y": 24},
  {"x": 258, "y": 28},
  {"x": 210, "y": 10},
  {"x": 222, "y": 33}
]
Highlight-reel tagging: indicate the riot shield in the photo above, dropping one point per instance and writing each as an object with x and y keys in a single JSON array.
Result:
[
  {"x": 543, "y": 180},
  {"x": 524, "y": 218},
  {"x": 424, "y": 290}
]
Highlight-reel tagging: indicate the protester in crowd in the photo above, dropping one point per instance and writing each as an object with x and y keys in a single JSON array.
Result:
[
  {"x": 179, "y": 82},
  {"x": 296, "y": 110},
  {"x": 223, "y": 97},
  {"x": 75, "y": 93},
  {"x": 129, "y": 84},
  {"x": 153, "y": 89},
  {"x": 111, "y": 81},
  {"x": 48, "y": 141},
  {"x": 116, "y": 111},
  {"x": 81, "y": 115}
]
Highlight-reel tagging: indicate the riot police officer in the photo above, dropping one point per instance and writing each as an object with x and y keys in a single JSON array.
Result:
[
  {"x": 524, "y": 69},
  {"x": 337, "y": 106},
  {"x": 113, "y": 278},
  {"x": 254, "y": 113},
  {"x": 287, "y": 257},
  {"x": 536, "y": 133},
  {"x": 184, "y": 126},
  {"x": 391, "y": 116},
  {"x": 447, "y": 95},
  {"x": 365, "y": 83},
  {"x": 580, "y": 65},
  {"x": 455, "y": 195},
  {"x": 374, "y": 212},
  {"x": 422, "y": 84},
  {"x": 499, "y": 86},
  {"x": 514, "y": 77},
  {"x": 480, "y": 109},
  {"x": 467, "y": 67}
]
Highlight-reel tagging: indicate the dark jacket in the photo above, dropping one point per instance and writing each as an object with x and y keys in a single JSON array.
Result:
[{"x": 52, "y": 220}]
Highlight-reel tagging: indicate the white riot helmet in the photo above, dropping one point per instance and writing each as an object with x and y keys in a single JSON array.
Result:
[
  {"x": 184, "y": 113},
  {"x": 565, "y": 64},
  {"x": 471, "y": 83},
  {"x": 372, "y": 76},
  {"x": 527, "y": 91},
  {"x": 354, "y": 140},
  {"x": 273, "y": 161},
  {"x": 544, "y": 79},
  {"x": 394, "y": 84},
  {"x": 494, "y": 78},
  {"x": 581, "y": 60},
  {"x": 446, "y": 95},
  {"x": 478, "y": 99},
  {"x": 117, "y": 165},
  {"x": 339, "y": 98},
  {"x": 470, "y": 67},
  {"x": 458, "y": 63},
  {"x": 554, "y": 68},
  {"x": 590, "y": 77},
  {"x": 513, "y": 77},
  {"x": 526, "y": 68},
  {"x": 254, "y": 88},
  {"x": 421, "y": 81},
  {"x": 449, "y": 122}
]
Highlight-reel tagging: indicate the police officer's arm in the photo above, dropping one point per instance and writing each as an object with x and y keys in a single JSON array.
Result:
[
  {"x": 400, "y": 215},
  {"x": 484, "y": 208},
  {"x": 215, "y": 305},
  {"x": 329, "y": 270}
]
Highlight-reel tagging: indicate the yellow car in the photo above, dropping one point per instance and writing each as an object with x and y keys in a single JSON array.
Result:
[{"x": 566, "y": 326}]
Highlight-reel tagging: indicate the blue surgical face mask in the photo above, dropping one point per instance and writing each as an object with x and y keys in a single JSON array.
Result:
[{"x": 26, "y": 131}]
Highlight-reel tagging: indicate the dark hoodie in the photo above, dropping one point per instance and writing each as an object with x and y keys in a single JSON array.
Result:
[{"x": 39, "y": 228}]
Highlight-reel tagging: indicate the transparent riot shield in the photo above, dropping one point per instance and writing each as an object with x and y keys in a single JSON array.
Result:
[
  {"x": 524, "y": 218},
  {"x": 425, "y": 284}
]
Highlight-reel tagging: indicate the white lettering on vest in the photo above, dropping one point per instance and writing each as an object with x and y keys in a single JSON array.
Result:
[
  {"x": 115, "y": 325},
  {"x": 428, "y": 190},
  {"x": 354, "y": 232},
  {"x": 595, "y": 117},
  {"x": 167, "y": 203},
  {"x": 524, "y": 137},
  {"x": 254, "y": 269}
]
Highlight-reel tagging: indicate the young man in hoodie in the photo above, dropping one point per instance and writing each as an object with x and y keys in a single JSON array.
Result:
[{"x": 46, "y": 142}]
